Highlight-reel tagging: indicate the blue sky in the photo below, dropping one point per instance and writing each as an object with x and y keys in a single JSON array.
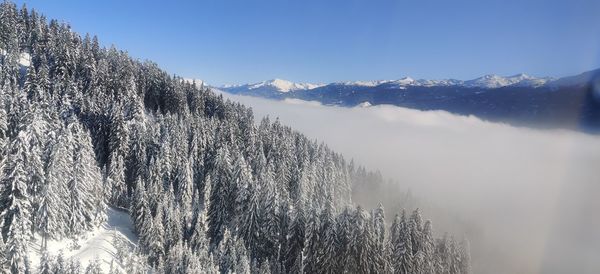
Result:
[{"x": 325, "y": 41}]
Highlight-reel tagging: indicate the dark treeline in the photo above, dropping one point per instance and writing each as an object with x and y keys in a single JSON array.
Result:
[{"x": 208, "y": 189}]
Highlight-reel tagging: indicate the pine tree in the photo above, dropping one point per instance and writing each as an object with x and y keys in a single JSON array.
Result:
[
  {"x": 85, "y": 178},
  {"x": 296, "y": 240},
  {"x": 242, "y": 180},
  {"x": 380, "y": 255},
  {"x": 220, "y": 207},
  {"x": 249, "y": 225},
  {"x": 60, "y": 264},
  {"x": 3, "y": 132},
  {"x": 312, "y": 244},
  {"x": 227, "y": 253},
  {"x": 327, "y": 260},
  {"x": 53, "y": 194},
  {"x": 118, "y": 140},
  {"x": 15, "y": 206},
  {"x": 3, "y": 253},
  {"x": 403, "y": 250},
  {"x": 464, "y": 256},
  {"x": 94, "y": 267},
  {"x": 155, "y": 240},
  {"x": 198, "y": 240},
  {"x": 175, "y": 260},
  {"x": 73, "y": 267},
  {"x": 265, "y": 268},
  {"x": 36, "y": 131},
  {"x": 242, "y": 263},
  {"x": 45, "y": 266},
  {"x": 428, "y": 252},
  {"x": 270, "y": 217},
  {"x": 139, "y": 206}
]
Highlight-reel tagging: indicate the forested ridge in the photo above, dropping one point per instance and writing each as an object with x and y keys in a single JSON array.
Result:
[{"x": 83, "y": 127}]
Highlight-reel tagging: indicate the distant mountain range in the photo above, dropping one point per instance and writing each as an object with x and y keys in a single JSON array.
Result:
[{"x": 570, "y": 102}]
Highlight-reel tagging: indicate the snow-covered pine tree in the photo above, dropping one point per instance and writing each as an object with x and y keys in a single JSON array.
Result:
[
  {"x": 327, "y": 260},
  {"x": 73, "y": 267},
  {"x": 227, "y": 253},
  {"x": 312, "y": 245},
  {"x": 3, "y": 133},
  {"x": 60, "y": 265},
  {"x": 154, "y": 240},
  {"x": 118, "y": 141},
  {"x": 296, "y": 240},
  {"x": 85, "y": 179},
  {"x": 242, "y": 263},
  {"x": 15, "y": 205},
  {"x": 45, "y": 266},
  {"x": 428, "y": 251},
  {"x": 380, "y": 252},
  {"x": 242, "y": 181},
  {"x": 53, "y": 194},
  {"x": 94, "y": 267},
  {"x": 269, "y": 217},
  {"x": 36, "y": 130},
  {"x": 464, "y": 253},
  {"x": 221, "y": 201},
  {"x": 404, "y": 248},
  {"x": 139, "y": 206},
  {"x": 249, "y": 223}
]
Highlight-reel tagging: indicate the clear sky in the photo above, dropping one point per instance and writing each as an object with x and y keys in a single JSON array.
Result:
[{"x": 328, "y": 40}]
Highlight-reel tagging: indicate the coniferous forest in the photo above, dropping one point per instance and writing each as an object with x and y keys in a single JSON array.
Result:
[{"x": 209, "y": 190}]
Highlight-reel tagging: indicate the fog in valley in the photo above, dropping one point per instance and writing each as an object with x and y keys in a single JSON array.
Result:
[{"x": 526, "y": 199}]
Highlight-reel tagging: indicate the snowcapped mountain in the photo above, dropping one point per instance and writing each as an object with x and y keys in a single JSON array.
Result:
[
  {"x": 488, "y": 82},
  {"x": 278, "y": 85},
  {"x": 362, "y": 83},
  {"x": 495, "y": 81}
]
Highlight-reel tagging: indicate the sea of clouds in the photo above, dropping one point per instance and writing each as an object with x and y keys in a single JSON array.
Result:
[{"x": 528, "y": 200}]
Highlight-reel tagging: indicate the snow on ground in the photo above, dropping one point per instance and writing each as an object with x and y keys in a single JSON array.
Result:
[
  {"x": 25, "y": 59},
  {"x": 99, "y": 243}
]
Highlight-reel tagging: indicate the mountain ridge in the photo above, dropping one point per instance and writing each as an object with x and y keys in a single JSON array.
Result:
[
  {"x": 571, "y": 102},
  {"x": 485, "y": 81}
]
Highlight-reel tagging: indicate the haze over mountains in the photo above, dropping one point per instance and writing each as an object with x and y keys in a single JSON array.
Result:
[{"x": 570, "y": 102}]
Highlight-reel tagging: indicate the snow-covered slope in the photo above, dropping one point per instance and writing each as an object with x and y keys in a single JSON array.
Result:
[
  {"x": 25, "y": 59},
  {"x": 102, "y": 244}
]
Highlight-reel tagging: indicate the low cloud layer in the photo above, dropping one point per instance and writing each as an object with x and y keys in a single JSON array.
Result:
[{"x": 527, "y": 199}]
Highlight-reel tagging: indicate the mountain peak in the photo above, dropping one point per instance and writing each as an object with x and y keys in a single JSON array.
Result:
[
  {"x": 282, "y": 85},
  {"x": 496, "y": 81}
]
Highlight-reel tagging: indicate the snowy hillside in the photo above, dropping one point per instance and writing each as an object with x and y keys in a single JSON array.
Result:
[
  {"x": 107, "y": 244},
  {"x": 208, "y": 190}
]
